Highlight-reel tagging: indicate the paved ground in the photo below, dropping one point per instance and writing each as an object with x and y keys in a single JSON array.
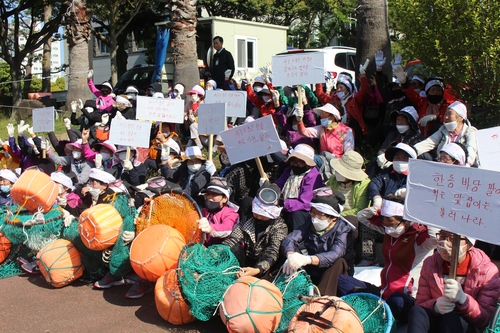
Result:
[{"x": 28, "y": 304}]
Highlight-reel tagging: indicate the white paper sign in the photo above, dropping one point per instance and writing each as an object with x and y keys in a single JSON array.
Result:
[
  {"x": 132, "y": 133},
  {"x": 459, "y": 199},
  {"x": 160, "y": 109},
  {"x": 211, "y": 118},
  {"x": 254, "y": 139},
  {"x": 298, "y": 68},
  {"x": 43, "y": 119},
  {"x": 488, "y": 146},
  {"x": 236, "y": 101}
]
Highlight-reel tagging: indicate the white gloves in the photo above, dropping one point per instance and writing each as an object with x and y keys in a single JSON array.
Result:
[
  {"x": 62, "y": 201},
  {"x": 104, "y": 119},
  {"x": 119, "y": 115},
  {"x": 74, "y": 106},
  {"x": 401, "y": 192},
  {"x": 276, "y": 97},
  {"x": 68, "y": 219},
  {"x": 128, "y": 236},
  {"x": 379, "y": 60},
  {"x": 227, "y": 74},
  {"x": 127, "y": 165},
  {"x": 210, "y": 167},
  {"x": 67, "y": 123},
  {"x": 295, "y": 261},
  {"x": 299, "y": 114},
  {"x": 248, "y": 77},
  {"x": 330, "y": 84},
  {"x": 377, "y": 201},
  {"x": 165, "y": 151},
  {"x": 98, "y": 161},
  {"x": 45, "y": 145},
  {"x": 381, "y": 161},
  {"x": 142, "y": 187},
  {"x": 30, "y": 131},
  {"x": 10, "y": 130},
  {"x": 443, "y": 305},
  {"x": 90, "y": 74},
  {"x": 398, "y": 59},
  {"x": 266, "y": 70},
  {"x": 426, "y": 119},
  {"x": 399, "y": 72},
  {"x": 362, "y": 68},
  {"x": 204, "y": 225},
  {"x": 453, "y": 291},
  {"x": 262, "y": 181},
  {"x": 237, "y": 77},
  {"x": 22, "y": 127},
  {"x": 192, "y": 118}
]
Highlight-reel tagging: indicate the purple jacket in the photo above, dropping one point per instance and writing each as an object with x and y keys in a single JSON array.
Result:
[
  {"x": 104, "y": 103},
  {"x": 310, "y": 182},
  {"x": 26, "y": 160},
  {"x": 294, "y": 136}
]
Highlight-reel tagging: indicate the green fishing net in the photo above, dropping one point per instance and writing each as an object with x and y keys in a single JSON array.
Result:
[
  {"x": 291, "y": 286},
  {"x": 204, "y": 275},
  {"x": 374, "y": 313},
  {"x": 494, "y": 326},
  {"x": 10, "y": 266}
]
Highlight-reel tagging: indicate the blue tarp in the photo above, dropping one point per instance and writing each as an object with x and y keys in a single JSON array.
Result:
[{"x": 160, "y": 52}]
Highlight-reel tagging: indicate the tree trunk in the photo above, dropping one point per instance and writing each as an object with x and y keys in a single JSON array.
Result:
[
  {"x": 28, "y": 76},
  {"x": 113, "y": 51},
  {"x": 78, "y": 33},
  {"x": 309, "y": 30},
  {"x": 15, "y": 73},
  {"x": 121, "y": 55},
  {"x": 183, "y": 32},
  {"x": 47, "y": 49},
  {"x": 372, "y": 35}
]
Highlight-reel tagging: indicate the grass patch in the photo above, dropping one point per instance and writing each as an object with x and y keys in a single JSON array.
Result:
[{"x": 59, "y": 128}]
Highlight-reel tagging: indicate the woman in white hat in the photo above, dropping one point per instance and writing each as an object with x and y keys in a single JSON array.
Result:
[
  {"x": 195, "y": 172},
  {"x": 97, "y": 190},
  {"x": 7, "y": 179},
  {"x": 66, "y": 198},
  {"x": 197, "y": 95},
  {"x": 104, "y": 101}
]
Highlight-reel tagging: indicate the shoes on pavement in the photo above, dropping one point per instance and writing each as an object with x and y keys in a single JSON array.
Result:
[
  {"x": 108, "y": 281},
  {"x": 139, "y": 288}
]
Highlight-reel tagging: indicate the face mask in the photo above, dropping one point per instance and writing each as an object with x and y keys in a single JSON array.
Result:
[
  {"x": 173, "y": 95},
  {"x": 195, "y": 98},
  {"x": 122, "y": 156},
  {"x": 225, "y": 159},
  {"x": 132, "y": 96},
  {"x": 396, "y": 94},
  {"x": 434, "y": 99},
  {"x": 451, "y": 126},
  {"x": 257, "y": 89},
  {"x": 402, "y": 128},
  {"x": 395, "y": 232},
  {"x": 339, "y": 177},
  {"x": 94, "y": 192},
  {"x": 341, "y": 94},
  {"x": 212, "y": 206},
  {"x": 105, "y": 156},
  {"x": 444, "y": 248},
  {"x": 295, "y": 127},
  {"x": 5, "y": 188},
  {"x": 76, "y": 154},
  {"x": 319, "y": 224},
  {"x": 61, "y": 190},
  {"x": 400, "y": 167},
  {"x": 210, "y": 88},
  {"x": 325, "y": 122},
  {"x": 298, "y": 170},
  {"x": 194, "y": 167}
]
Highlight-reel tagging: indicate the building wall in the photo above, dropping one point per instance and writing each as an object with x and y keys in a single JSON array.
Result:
[{"x": 102, "y": 65}]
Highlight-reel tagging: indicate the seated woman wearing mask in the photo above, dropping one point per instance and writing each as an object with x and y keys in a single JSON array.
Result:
[
  {"x": 132, "y": 170},
  {"x": 102, "y": 157},
  {"x": 456, "y": 128},
  {"x": 195, "y": 172},
  {"x": 7, "y": 180},
  {"x": 322, "y": 245},
  {"x": 80, "y": 166},
  {"x": 97, "y": 190},
  {"x": 462, "y": 305}
]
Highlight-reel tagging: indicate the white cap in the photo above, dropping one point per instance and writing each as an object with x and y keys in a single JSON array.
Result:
[
  {"x": 158, "y": 95},
  {"x": 328, "y": 108},
  {"x": 9, "y": 175},
  {"x": 61, "y": 178},
  {"x": 101, "y": 175}
]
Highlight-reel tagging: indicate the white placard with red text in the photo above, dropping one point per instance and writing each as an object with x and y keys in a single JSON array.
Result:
[
  {"x": 298, "y": 68},
  {"x": 459, "y": 199},
  {"x": 43, "y": 119},
  {"x": 488, "y": 147},
  {"x": 160, "y": 109},
  {"x": 132, "y": 133},
  {"x": 211, "y": 118},
  {"x": 254, "y": 139},
  {"x": 236, "y": 101}
]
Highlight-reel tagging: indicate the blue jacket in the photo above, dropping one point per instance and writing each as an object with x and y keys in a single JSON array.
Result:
[{"x": 386, "y": 182}]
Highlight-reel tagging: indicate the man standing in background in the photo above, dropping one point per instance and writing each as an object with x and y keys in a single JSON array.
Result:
[{"x": 222, "y": 63}]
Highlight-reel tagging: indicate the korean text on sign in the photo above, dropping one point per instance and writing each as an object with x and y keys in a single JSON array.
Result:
[
  {"x": 459, "y": 199},
  {"x": 236, "y": 101},
  {"x": 160, "y": 109},
  {"x": 298, "y": 68},
  {"x": 132, "y": 133},
  {"x": 43, "y": 120},
  {"x": 211, "y": 118}
]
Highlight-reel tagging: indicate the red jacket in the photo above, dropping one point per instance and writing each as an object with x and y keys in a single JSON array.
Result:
[
  {"x": 265, "y": 110},
  {"x": 355, "y": 104},
  {"x": 482, "y": 286}
]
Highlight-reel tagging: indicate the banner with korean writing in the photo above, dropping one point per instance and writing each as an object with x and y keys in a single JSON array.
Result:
[
  {"x": 211, "y": 118},
  {"x": 236, "y": 101},
  {"x": 253, "y": 139},
  {"x": 43, "y": 119},
  {"x": 160, "y": 109},
  {"x": 488, "y": 147},
  {"x": 298, "y": 68},
  {"x": 459, "y": 199},
  {"x": 132, "y": 133}
]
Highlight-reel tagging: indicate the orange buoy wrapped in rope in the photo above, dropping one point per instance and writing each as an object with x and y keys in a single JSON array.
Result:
[
  {"x": 60, "y": 263},
  {"x": 169, "y": 301},
  {"x": 4, "y": 247},
  {"x": 100, "y": 226},
  {"x": 33, "y": 190}
]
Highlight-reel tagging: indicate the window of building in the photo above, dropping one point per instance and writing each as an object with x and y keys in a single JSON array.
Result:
[
  {"x": 246, "y": 52},
  {"x": 101, "y": 47}
]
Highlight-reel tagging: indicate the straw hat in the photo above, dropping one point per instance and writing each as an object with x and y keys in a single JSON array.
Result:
[
  {"x": 350, "y": 166},
  {"x": 193, "y": 152}
]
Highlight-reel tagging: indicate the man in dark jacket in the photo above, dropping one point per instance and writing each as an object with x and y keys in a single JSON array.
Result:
[{"x": 221, "y": 62}]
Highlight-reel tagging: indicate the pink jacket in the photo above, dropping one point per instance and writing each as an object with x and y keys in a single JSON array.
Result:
[
  {"x": 222, "y": 224},
  {"x": 482, "y": 286},
  {"x": 104, "y": 103}
]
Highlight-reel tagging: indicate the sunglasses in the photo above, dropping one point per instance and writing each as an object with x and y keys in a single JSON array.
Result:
[{"x": 268, "y": 196}]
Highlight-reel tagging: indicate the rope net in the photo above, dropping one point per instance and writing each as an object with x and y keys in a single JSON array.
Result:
[{"x": 374, "y": 313}]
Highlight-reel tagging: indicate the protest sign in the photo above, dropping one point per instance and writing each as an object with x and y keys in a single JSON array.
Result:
[
  {"x": 211, "y": 118},
  {"x": 133, "y": 133},
  {"x": 298, "y": 68},
  {"x": 462, "y": 200},
  {"x": 160, "y": 109},
  {"x": 488, "y": 147},
  {"x": 43, "y": 119},
  {"x": 236, "y": 101},
  {"x": 254, "y": 139}
]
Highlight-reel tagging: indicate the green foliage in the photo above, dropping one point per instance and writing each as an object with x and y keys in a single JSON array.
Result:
[
  {"x": 5, "y": 88},
  {"x": 59, "y": 85},
  {"x": 36, "y": 84}
]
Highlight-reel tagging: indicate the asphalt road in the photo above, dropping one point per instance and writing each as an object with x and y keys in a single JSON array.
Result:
[{"x": 29, "y": 304}]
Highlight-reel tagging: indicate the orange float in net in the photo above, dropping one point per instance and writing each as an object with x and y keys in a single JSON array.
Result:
[
  {"x": 169, "y": 301},
  {"x": 4, "y": 247},
  {"x": 33, "y": 190},
  {"x": 326, "y": 314},
  {"x": 155, "y": 251},
  {"x": 60, "y": 263},
  {"x": 172, "y": 209},
  {"x": 100, "y": 226}
]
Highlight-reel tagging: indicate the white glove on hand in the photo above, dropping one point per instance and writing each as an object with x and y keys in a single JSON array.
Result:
[
  {"x": 62, "y": 201},
  {"x": 401, "y": 192},
  {"x": 248, "y": 77},
  {"x": 68, "y": 219},
  {"x": 399, "y": 72},
  {"x": 165, "y": 152},
  {"x": 227, "y": 74},
  {"x": 330, "y": 84},
  {"x": 443, "y": 305},
  {"x": 381, "y": 161},
  {"x": 192, "y": 118},
  {"x": 276, "y": 97},
  {"x": 299, "y": 114},
  {"x": 74, "y": 106},
  {"x": 10, "y": 130},
  {"x": 237, "y": 80},
  {"x": 362, "y": 68},
  {"x": 1, "y": 142},
  {"x": 263, "y": 181},
  {"x": 45, "y": 145},
  {"x": 210, "y": 167},
  {"x": 377, "y": 202},
  {"x": 426, "y": 119},
  {"x": 398, "y": 59},
  {"x": 127, "y": 165},
  {"x": 295, "y": 261},
  {"x": 67, "y": 123},
  {"x": 453, "y": 291},
  {"x": 104, "y": 119},
  {"x": 128, "y": 236},
  {"x": 22, "y": 127},
  {"x": 90, "y": 74},
  {"x": 379, "y": 60},
  {"x": 98, "y": 161},
  {"x": 204, "y": 225},
  {"x": 119, "y": 115},
  {"x": 30, "y": 131}
]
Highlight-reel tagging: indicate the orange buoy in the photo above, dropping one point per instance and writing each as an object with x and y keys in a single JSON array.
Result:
[
  {"x": 4, "y": 247},
  {"x": 35, "y": 189},
  {"x": 169, "y": 301},
  {"x": 60, "y": 263},
  {"x": 100, "y": 226}
]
